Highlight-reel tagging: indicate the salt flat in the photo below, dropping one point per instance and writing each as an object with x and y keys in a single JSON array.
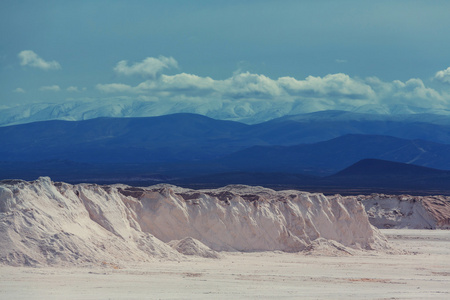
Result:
[{"x": 423, "y": 272}]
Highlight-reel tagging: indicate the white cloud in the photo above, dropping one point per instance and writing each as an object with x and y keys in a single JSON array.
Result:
[
  {"x": 250, "y": 86},
  {"x": 247, "y": 96},
  {"x": 148, "y": 67},
  {"x": 340, "y": 61},
  {"x": 19, "y": 90},
  {"x": 247, "y": 85},
  {"x": 72, "y": 89},
  {"x": 114, "y": 88},
  {"x": 29, "y": 58},
  {"x": 332, "y": 86},
  {"x": 443, "y": 76},
  {"x": 180, "y": 82},
  {"x": 75, "y": 89},
  {"x": 50, "y": 88},
  {"x": 409, "y": 96}
]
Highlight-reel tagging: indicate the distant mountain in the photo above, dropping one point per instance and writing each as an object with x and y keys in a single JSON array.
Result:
[
  {"x": 246, "y": 112},
  {"x": 340, "y": 115},
  {"x": 374, "y": 173},
  {"x": 326, "y": 125},
  {"x": 179, "y": 147},
  {"x": 189, "y": 137},
  {"x": 325, "y": 158},
  {"x": 181, "y": 137},
  {"x": 364, "y": 177},
  {"x": 383, "y": 168}
]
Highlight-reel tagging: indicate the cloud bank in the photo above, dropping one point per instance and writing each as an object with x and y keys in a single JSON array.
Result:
[
  {"x": 248, "y": 96},
  {"x": 30, "y": 58}
]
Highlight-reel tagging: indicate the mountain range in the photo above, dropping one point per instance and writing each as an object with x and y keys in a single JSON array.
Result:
[
  {"x": 249, "y": 113},
  {"x": 191, "y": 148}
]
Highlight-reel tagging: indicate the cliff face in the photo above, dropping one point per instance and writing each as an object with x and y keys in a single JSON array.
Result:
[{"x": 42, "y": 222}]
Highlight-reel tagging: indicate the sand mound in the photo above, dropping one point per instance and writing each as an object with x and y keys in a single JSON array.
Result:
[
  {"x": 326, "y": 247},
  {"x": 190, "y": 246},
  {"x": 46, "y": 223}
]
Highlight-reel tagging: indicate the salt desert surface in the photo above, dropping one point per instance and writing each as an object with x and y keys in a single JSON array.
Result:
[
  {"x": 423, "y": 272},
  {"x": 62, "y": 241}
]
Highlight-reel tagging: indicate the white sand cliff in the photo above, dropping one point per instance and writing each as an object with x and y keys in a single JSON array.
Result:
[
  {"x": 406, "y": 211},
  {"x": 47, "y": 223}
]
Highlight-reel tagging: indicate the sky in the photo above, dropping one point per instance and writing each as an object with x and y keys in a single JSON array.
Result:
[{"x": 227, "y": 58}]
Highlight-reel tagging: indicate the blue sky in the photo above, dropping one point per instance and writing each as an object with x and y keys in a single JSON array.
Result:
[{"x": 244, "y": 57}]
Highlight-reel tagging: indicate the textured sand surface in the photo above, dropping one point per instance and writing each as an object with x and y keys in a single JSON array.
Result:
[
  {"x": 406, "y": 211},
  {"x": 55, "y": 224},
  {"x": 423, "y": 272}
]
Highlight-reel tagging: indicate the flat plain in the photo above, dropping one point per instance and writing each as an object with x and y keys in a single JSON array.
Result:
[{"x": 419, "y": 269}]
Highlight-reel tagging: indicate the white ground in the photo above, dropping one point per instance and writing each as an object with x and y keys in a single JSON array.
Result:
[{"x": 423, "y": 273}]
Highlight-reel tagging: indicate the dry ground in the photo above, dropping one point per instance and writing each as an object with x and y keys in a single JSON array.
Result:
[{"x": 421, "y": 273}]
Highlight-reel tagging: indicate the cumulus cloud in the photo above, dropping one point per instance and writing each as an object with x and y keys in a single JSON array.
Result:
[
  {"x": 148, "y": 67},
  {"x": 19, "y": 90},
  {"x": 247, "y": 85},
  {"x": 246, "y": 95},
  {"x": 179, "y": 83},
  {"x": 443, "y": 76},
  {"x": 411, "y": 96},
  {"x": 332, "y": 85},
  {"x": 30, "y": 58},
  {"x": 251, "y": 86},
  {"x": 50, "y": 88}
]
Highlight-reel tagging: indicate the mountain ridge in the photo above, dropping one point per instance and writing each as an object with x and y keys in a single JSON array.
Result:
[
  {"x": 178, "y": 146},
  {"x": 330, "y": 156}
]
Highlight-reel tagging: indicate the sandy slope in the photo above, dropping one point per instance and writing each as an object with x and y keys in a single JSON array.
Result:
[{"x": 422, "y": 273}]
